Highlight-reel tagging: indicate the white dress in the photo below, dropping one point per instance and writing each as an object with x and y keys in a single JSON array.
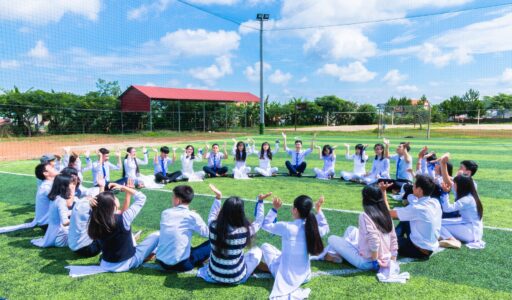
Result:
[
  {"x": 359, "y": 167},
  {"x": 187, "y": 168},
  {"x": 57, "y": 234},
  {"x": 265, "y": 168},
  {"x": 469, "y": 227},
  {"x": 131, "y": 170},
  {"x": 328, "y": 170},
  {"x": 241, "y": 171},
  {"x": 380, "y": 170},
  {"x": 290, "y": 267}
]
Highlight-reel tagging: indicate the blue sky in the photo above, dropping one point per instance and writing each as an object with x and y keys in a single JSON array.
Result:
[{"x": 68, "y": 45}]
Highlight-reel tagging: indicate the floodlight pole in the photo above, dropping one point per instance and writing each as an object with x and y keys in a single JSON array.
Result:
[{"x": 261, "y": 18}]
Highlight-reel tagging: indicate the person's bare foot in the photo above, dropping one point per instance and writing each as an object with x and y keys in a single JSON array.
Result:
[
  {"x": 136, "y": 236},
  {"x": 150, "y": 257},
  {"x": 450, "y": 243}
]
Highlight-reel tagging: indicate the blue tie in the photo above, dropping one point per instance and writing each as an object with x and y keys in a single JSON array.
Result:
[
  {"x": 162, "y": 165},
  {"x": 104, "y": 172},
  {"x": 214, "y": 163},
  {"x": 297, "y": 159},
  {"x": 398, "y": 166}
]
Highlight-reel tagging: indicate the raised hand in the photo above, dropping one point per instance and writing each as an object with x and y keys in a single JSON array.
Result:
[
  {"x": 264, "y": 196},
  {"x": 319, "y": 203},
  {"x": 130, "y": 183},
  {"x": 383, "y": 186},
  {"x": 87, "y": 153},
  {"x": 277, "y": 203},
  {"x": 283, "y": 134},
  {"x": 100, "y": 180},
  {"x": 67, "y": 149},
  {"x": 217, "y": 192},
  {"x": 144, "y": 149},
  {"x": 446, "y": 187}
]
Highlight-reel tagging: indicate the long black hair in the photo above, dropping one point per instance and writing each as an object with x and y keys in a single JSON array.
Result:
[
  {"x": 465, "y": 187},
  {"x": 262, "y": 152},
  {"x": 193, "y": 155},
  {"x": 231, "y": 216},
  {"x": 382, "y": 155},
  {"x": 361, "y": 149},
  {"x": 304, "y": 206},
  {"x": 129, "y": 149},
  {"x": 72, "y": 160},
  {"x": 240, "y": 155},
  {"x": 102, "y": 221},
  {"x": 70, "y": 171},
  {"x": 60, "y": 186},
  {"x": 327, "y": 148},
  {"x": 375, "y": 207}
]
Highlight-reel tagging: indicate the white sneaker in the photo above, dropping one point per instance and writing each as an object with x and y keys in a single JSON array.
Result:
[{"x": 451, "y": 243}]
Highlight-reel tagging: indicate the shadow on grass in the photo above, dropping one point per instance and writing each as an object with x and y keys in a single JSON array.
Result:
[{"x": 20, "y": 210}]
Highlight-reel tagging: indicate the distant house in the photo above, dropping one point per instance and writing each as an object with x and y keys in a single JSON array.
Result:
[{"x": 402, "y": 109}]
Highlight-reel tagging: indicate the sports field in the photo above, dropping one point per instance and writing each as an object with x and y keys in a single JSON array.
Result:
[{"x": 29, "y": 272}]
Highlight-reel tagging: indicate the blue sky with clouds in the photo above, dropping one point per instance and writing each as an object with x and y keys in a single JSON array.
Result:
[{"x": 68, "y": 45}]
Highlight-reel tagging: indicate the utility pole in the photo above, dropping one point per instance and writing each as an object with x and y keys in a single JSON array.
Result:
[{"x": 262, "y": 17}]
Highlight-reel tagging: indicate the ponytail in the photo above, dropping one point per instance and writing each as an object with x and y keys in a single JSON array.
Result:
[
  {"x": 137, "y": 171},
  {"x": 304, "y": 205}
]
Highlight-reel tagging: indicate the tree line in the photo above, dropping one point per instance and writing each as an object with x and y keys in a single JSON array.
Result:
[{"x": 99, "y": 112}]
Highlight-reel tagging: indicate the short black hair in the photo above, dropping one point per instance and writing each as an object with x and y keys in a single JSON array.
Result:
[
  {"x": 104, "y": 151},
  {"x": 40, "y": 169},
  {"x": 164, "y": 149},
  {"x": 406, "y": 145},
  {"x": 426, "y": 184},
  {"x": 298, "y": 141},
  {"x": 471, "y": 165},
  {"x": 213, "y": 145},
  {"x": 184, "y": 192}
]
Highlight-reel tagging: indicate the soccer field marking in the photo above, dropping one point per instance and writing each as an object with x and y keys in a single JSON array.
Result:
[{"x": 267, "y": 202}]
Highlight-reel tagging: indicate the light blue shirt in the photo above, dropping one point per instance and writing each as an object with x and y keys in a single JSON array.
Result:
[
  {"x": 177, "y": 225},
  {"x": 158, "y": 166},
  {"x": 401, "y": 167},
  {"x": 42, "y": 202},
  {"x": 78, "y": 236},
  {"x": 297, "y": 157},
  {"x": 97, "y": 168}
]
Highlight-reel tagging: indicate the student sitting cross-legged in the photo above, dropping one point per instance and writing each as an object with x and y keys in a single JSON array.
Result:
[
  {"x": 374, "y": 243},
  {"x": 46, "y": 173},
  {"x": 230, "y": 234},
  {"x": 177, "y": 225},
  {"x": 420, "y": 221},
  {"x": 161, "y": 166},
  {"x": 215, "y": 157},
  {"x": 297, "y": 165}
]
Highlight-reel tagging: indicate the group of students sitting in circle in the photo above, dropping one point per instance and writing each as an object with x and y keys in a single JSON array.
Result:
[{"x": 92, "y": 220}]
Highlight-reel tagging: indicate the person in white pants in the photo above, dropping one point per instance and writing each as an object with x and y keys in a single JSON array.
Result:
[
  {"x": 380, "y": 166},
  {"x": 469, "y": 227},
  {"x": 359, "y": 158},
  {"x": 265, "y": 157},
  {"x": 329, "y": 157},
  {"x": 240, "y": 151}
]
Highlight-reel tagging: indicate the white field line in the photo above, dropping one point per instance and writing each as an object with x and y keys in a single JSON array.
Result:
[{"x": 268, "y": 202}]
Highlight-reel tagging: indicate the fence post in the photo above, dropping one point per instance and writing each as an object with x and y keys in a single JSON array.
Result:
[
  {"x": 429, "y": 120},
  {"x": 150, "y": 117},
  {"x": 478, "y": 118},
  {"x": 122, "y": 123},
  {"x": 204, "y": 116},
  {"x": 179, "y": 116},
  {"x": 226, "y": 117}
]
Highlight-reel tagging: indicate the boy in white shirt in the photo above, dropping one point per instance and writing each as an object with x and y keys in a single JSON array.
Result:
[
  {"x": 297, "y": 166},
  {"x": 177, "y": 224},
  {"x": 45, "y": 172},
  {"x": 420, "y": 222}
]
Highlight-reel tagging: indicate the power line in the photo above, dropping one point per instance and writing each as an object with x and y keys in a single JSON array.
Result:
[
  {"x": 216, "y": 15},
  {"x": 392, "y": 19}
]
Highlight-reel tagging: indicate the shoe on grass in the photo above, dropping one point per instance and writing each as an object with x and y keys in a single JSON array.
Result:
[{"x": 450, "y": 243}]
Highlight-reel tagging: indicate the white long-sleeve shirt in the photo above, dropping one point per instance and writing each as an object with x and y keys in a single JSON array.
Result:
[
  {"x": 297, "y": 157},
  {"x": 239, "y": 164},
  {"x": 104, "y": 169},
  {"x": 359, "y": 167},
  {"x": 78, "y": 226},
  {"x": 57, "y": 234},
  {"x": 265, "y": 162},
  {"x": 294, "y": 266},
  {"x": 187, "y": 164},
  {"x": 466, "y": 206},
  {"x": 177, "y": 225},
  {"x": 380, "y": 168},
  {"x": 130, "y": 167},
  {"x": 42, "y": 202}
]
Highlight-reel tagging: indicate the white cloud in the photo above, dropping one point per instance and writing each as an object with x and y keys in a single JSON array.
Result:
[
  {"x": 39, "y": 51},
  {"x": 149, "y": 83},
  {"x": 253, "y": 26},
  {"x": 303, "y": 80},
  {"x": 339, "y": 43},
  {"x": 253, "y": 72},
  {"x": 211, "y": 74},
  {"x": 174, "y": 83},
  {"x": 199, "y": 42},
  {"x": 44, "y": 11},
  {"x": 354, "y": 72},
  {"x": 394, "y": 77},
  {"x": 278, "y": 77},
  {"x": 402, "y": 39},
  {"x": 407, "y": 89},
  {"x": 9, "y": 64},
  {"x": 214, "y": 2},
  {"x": 146, "y": 10},
  {"x": 506, "y": 77}
]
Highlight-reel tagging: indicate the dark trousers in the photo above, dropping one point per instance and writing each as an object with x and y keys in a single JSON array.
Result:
[
  {"x": 91, "y": 250},
  {"x": 295, "y": 169},
  {"x": 171, "y": 177},
  {"x": 405, "y": 246},
  {"x": 213, "y": 173},
  {"x": 397, "y": 183},
  {"x": 197, "y": 256}
]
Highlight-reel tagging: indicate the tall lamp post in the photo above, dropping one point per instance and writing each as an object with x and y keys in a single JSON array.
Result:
[{"x": 262, "y": 18}]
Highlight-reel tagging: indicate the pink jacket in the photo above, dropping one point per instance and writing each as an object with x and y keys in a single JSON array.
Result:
[{"x": 371, "y": 239}]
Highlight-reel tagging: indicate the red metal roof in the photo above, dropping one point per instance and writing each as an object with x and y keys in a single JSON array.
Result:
[{"x": 161, "y": 93}]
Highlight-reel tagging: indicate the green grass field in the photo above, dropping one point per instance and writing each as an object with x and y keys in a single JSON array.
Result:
[{"x": 29, "y": 272}]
